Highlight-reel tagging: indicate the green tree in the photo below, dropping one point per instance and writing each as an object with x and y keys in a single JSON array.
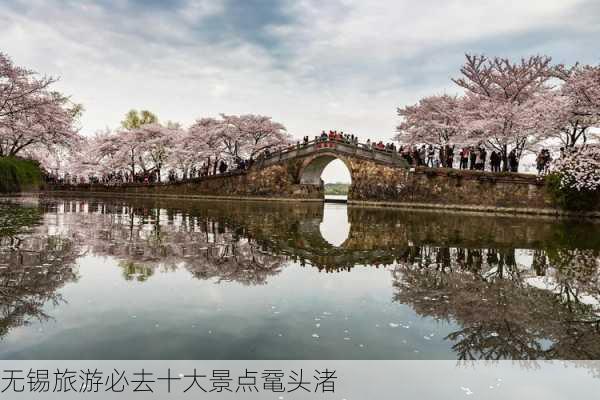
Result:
[{"x": 134, "y": 119}]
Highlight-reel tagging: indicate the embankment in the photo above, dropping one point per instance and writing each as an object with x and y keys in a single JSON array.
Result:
[
  {"x": 463, "y": 190},
  {"x": 372, "y": 185},
  {"x": 19, "y": 175},
  {"x": 271, "y": 183}
]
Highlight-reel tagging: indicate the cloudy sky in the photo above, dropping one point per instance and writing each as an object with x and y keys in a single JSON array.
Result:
[{"x": 310, "y": 64}]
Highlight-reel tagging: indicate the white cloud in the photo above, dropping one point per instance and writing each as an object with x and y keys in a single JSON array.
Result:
[{"x": 316, "y": 65}]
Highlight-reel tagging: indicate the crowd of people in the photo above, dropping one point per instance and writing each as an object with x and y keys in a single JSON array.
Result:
[
  {"x": 472, "y": 157},
  {"x": 152, "y": 176},
  {"x": 468, "y": 158},
  {"x": 334, "y": 136},
  {"x": 543, "y": 160}
]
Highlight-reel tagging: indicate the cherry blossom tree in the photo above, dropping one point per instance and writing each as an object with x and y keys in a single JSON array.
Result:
[
  {"x": 203, "y": 139},
  {"x": 239, "y": 136},
  {"x": 83, "y": 162},
  {"x": 190, "y": 148},
  {"x": 108, "y": 149},
  {"x": 584, "y": 82},
  {"x": 228, "y": 137},
  {"x": 579, "y": 168},
  {"x": 56, "y": 160},
  {"x": 148, "y": 148},
  {"x": 576, "y": 106},
  {"x": 50, "y": 126},
  {"x": 90, "y": 156},
  {"x": 258, "y": 133},
  {"x": 31, "y": 116},
  {"x": 128, "y": 149},
  {"x": 157, "y": 142},
  {"x": 20, "y": 90},
  {"x": 434, "y": 120},
  {"x": 499, "y": 98},
  {"x": 136, "y": 144}
]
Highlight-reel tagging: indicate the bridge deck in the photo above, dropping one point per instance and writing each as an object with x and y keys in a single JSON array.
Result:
[{"x": 340, "y": 147}]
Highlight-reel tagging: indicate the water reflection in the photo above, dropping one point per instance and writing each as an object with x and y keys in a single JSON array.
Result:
[
  {"x": 507, "y": 310},
  {"x": 501, "y": 288},
  {"x": 32, "y": 267},
  {"x": 335, "y": 227},
  {"x": 144, "y": 239}
]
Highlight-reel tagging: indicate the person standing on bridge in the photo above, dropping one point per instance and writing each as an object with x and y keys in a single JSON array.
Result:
[
  {"x": 415, "y": 156},
  {"x": 464, "y": 158},
  {"x": 478, "y": 160},
  {"x": 472, "y": 157},
  {"x": 483, "y": 158},
  {"x": 495, "y": 161},
  {"x": 422, "y": 155},
  {"x": 449, "y": 155},
  {"x": 222, "y": 167},
  {"x": 430, "y": 155},
  {"x": 513, "y": 161}
]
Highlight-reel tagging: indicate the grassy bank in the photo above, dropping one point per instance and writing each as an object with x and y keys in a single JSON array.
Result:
[
  {"x": 337, "y": 188},
  {"x": 17, "y": 174}
]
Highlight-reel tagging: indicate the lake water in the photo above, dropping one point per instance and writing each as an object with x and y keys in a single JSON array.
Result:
[{"x": 165, "y": 279}]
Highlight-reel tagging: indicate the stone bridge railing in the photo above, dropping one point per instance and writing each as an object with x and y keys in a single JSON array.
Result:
[{"x": 341, "y": 147}]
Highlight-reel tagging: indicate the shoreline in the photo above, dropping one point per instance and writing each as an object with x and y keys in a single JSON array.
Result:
[{"x": 469, "y": 209}]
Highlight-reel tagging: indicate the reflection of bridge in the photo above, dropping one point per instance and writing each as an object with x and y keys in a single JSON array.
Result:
[
  {"x": 317, "y": 154},
  {"x": 375, "y": 236}
]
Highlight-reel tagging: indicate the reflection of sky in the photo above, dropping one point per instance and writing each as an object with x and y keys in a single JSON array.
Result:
[
  {"x": 174, "y": 316},
  {"x": 335, "y": 227}
]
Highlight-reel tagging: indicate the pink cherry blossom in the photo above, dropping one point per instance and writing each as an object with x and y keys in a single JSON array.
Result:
[
  {"x": 501, "y": 101},
  {"x": 434, "y": 120},
  {"x": 579, "y": 168},
  {"x": 576, "y": 108},
  {"x": 32, "y": 117}
]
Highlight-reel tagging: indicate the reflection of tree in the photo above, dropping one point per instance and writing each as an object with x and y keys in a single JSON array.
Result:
[
  {"x": 139, "y": 272},
  {"x": 144, "y": 239},
  {"x": 502, "y": 312},
  {"x": 16, "y": 221},
  {"x": 30, "y": 277},
  {"x": 576, "y": 273},
  {"x": 243, "y": 262}
]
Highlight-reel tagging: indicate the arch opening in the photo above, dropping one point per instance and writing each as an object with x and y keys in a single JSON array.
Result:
[
  {"x": 329, "y": 172},
  {"x": 335, "y": 226}
]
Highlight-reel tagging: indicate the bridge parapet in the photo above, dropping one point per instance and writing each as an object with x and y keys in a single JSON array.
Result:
[{"x": 343, "y": 148}]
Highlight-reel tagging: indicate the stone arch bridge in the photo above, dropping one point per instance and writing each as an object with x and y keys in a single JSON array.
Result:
[
  {"x": 377, "y": 176},
  {"x": 370, "y": 169}
]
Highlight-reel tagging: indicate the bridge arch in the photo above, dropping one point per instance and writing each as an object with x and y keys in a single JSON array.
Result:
[
  {"x": 313, "y": 167},
  {"x": 330, "y": 231}
]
